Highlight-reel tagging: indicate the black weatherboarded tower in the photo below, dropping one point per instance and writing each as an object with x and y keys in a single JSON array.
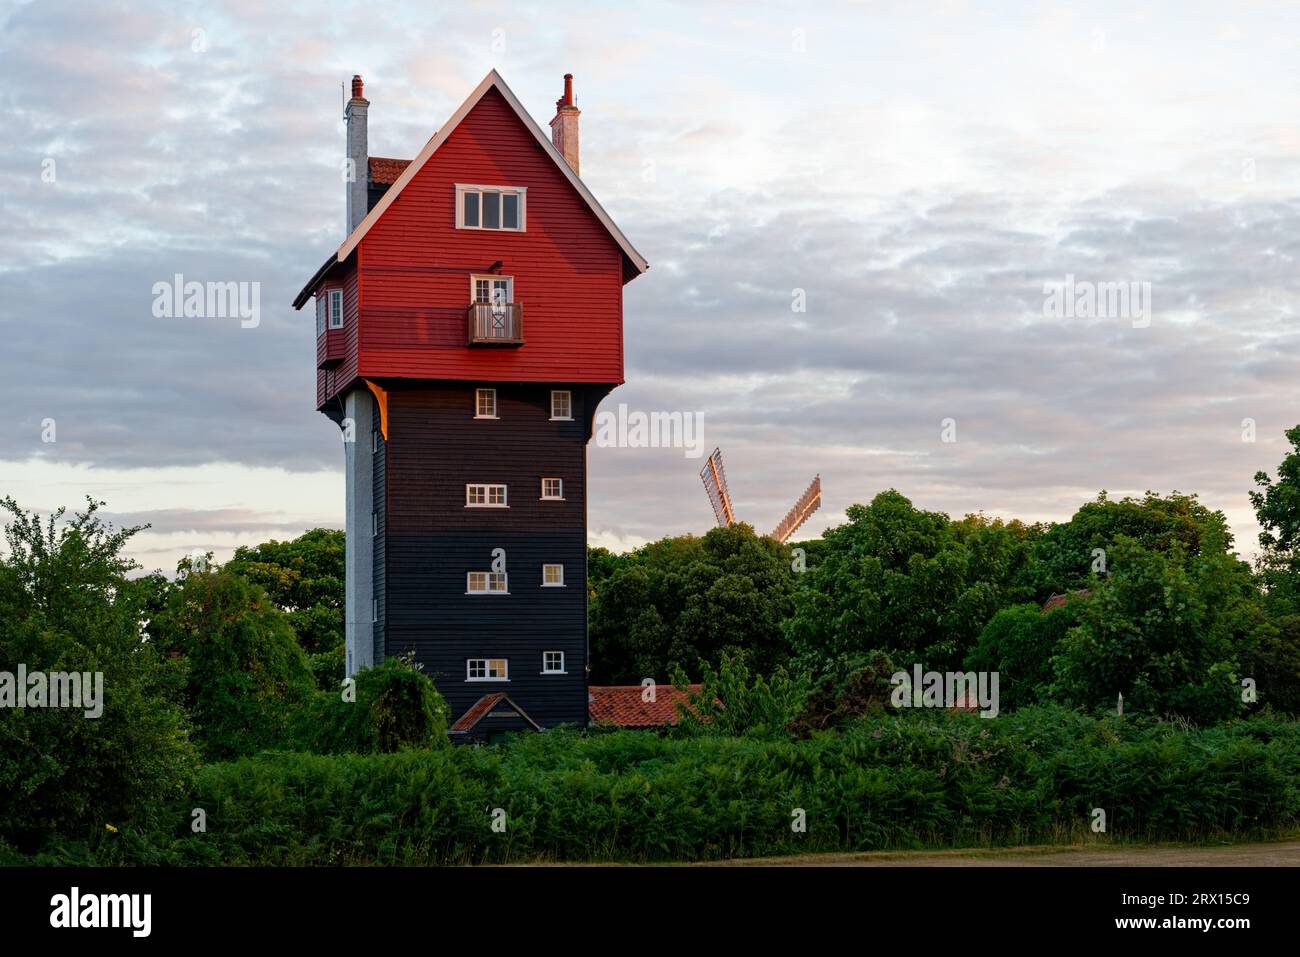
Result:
[{"x": 467, "y": 330}]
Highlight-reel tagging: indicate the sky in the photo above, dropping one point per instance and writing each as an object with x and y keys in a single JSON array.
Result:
[{"x": 854, "y": 214}]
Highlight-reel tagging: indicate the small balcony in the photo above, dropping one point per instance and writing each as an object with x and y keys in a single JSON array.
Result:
[{"x": 496, "y": 324}]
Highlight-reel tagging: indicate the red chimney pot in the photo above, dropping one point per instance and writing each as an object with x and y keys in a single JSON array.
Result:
[
  {"x": 568, "y": 89},
  {"x": 357, "y": 86}
]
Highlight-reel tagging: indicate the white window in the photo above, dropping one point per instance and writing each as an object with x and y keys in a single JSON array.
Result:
[
  {"x": 374, "y": 609},
  {"x": 336, "y": 308},
  {"x": 374, "y": 523},
  {"x": 553, "y": 663},
  {"x": 490, "y": 207},
  {"x": 485, "y": 496},
  {"x": 553, "y": 488},
  {"x": 374, "y": 440},
  {"x": 486, "y": 583},
  {"x": 561, "y": 404},
  {"x": 553, "y": 576},
  {"x": 492, "y": 290},
  {"x": 487, "y": 669},
  {"x": 320, "y": 314},
  {"x": 485, "y": 403}
]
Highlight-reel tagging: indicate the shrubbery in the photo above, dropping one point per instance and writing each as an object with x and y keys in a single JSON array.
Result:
[
  {"x": 919, "y": 780},
  {"x": 395, "y": 708},
  {"x": 66, "y": 604}
]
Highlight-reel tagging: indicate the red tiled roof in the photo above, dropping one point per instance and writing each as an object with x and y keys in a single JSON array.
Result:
[
  {"x": 476, "y": 712},
  {"x": 1058, "y": 601},
  {"x": 384, "y": 170},
  {"x": 622, "y": 705}
]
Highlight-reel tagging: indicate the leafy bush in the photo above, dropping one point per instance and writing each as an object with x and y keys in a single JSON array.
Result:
[
  {"x": 922, "y": 779},
  {"x": 395, "y": 707},
  {"x": 247, "y": 676},
  {"x": 852, "y": 688},
  {"x": 732, "y": 700},
  {"x": 1019, "y": 644},
  {"x": 66, "y": 604}
]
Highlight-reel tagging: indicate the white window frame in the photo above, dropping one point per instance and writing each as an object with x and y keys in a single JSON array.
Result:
[
  {"x": 320, "y": 313},
  {"x": 487, "y": 580},
  {"x": 548, "y": 565},
  {"x": 374, "y": 440},
  {"x": 478, "y": 403},
  {"x": 520, "y": 191},
  {"x": 552, "y": 498},
  {"x": 547, "y": 670},
  {"x": 488, "y": 489},
  {"x": 374, "y": 609},
  {"x": 490, "y": 278},
  {"x": 486, "y": 667},
  {"x": 562, "y": 418},
  {"x": 374, "y": 524},
  {"x": 336, "y": 314}
]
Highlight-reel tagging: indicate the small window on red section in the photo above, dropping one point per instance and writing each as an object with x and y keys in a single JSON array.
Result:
[{"x": 336, "y": 308}]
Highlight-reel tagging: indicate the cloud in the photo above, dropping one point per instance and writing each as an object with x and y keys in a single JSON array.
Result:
[{"x": 916, "y": 181}]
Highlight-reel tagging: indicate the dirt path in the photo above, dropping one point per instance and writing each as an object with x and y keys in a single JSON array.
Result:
[{"x": 1285, "y": 854}]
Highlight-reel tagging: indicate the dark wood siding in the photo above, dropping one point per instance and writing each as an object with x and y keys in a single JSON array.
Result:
[{"x": 435, "y": 447}]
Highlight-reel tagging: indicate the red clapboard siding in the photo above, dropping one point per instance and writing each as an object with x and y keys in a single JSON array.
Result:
[
  {"x": 415, "y": 268},
  {"x": 330, "y": 381}
]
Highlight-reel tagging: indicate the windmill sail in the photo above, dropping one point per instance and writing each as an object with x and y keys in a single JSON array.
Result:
[
  {"x": 808, "y": 503},
  {"x": 714, "y": 477}
]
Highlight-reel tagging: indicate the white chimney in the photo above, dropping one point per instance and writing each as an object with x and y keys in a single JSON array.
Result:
[
  {"x": 357, "y": 180},
  {"x": 564, "y": 128}
]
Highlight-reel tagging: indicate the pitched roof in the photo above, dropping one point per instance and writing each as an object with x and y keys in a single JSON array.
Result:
[
  {"x": 1058, "y": 601},
  {"x": 622, "y": 705},
  {"x": 385, "y": 170},
  {"x": 491, "y": 81},
  {"x": 481, "y": 708}
]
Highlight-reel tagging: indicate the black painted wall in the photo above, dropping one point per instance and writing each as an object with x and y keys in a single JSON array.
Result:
[{"x": 435, "y": 447}]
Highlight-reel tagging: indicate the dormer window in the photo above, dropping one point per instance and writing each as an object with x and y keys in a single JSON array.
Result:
[
  {"x": 320, "y": 315},
  {"x": 490, "y": 207}
]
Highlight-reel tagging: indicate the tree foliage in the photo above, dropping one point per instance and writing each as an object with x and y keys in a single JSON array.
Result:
[
  {"x": 908, "y": 582},
  {"x": 67, "y": 604},
  {"x": 246, "y": 674},
  {"x": 683, "y": 602}
]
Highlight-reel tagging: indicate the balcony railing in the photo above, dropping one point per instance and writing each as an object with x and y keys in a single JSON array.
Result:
[{"x": 496, "y": 324}]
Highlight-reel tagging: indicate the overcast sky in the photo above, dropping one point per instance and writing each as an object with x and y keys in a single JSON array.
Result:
[{"x": 921, "y": 171}]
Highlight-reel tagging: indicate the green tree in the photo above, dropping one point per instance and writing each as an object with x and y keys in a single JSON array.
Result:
[
  {"x": 1018, "y": 643},
  {"x": 1277, "y": 508},
  {"x": 908, "y": 582},
  {"x": 682, "y": 602},
  {"x": 247, "y": 676},
  {"x": 1066, "y": 558},
  {"x": 1166, "y": 631},
  {"x": 67, "y": 604},
  {"x": 304, "y": 577}
]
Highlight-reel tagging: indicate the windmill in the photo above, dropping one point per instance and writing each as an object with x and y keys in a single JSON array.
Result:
[{"x": 714, "y": 476}]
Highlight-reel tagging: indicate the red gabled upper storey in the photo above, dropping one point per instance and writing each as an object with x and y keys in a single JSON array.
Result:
[{"x": 407, "y": 274}]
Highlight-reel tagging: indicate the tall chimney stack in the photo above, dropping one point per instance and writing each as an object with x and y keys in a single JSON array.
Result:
[
  {"x": 357, "y": 180},
  {"x": 564, "y": 128}
]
